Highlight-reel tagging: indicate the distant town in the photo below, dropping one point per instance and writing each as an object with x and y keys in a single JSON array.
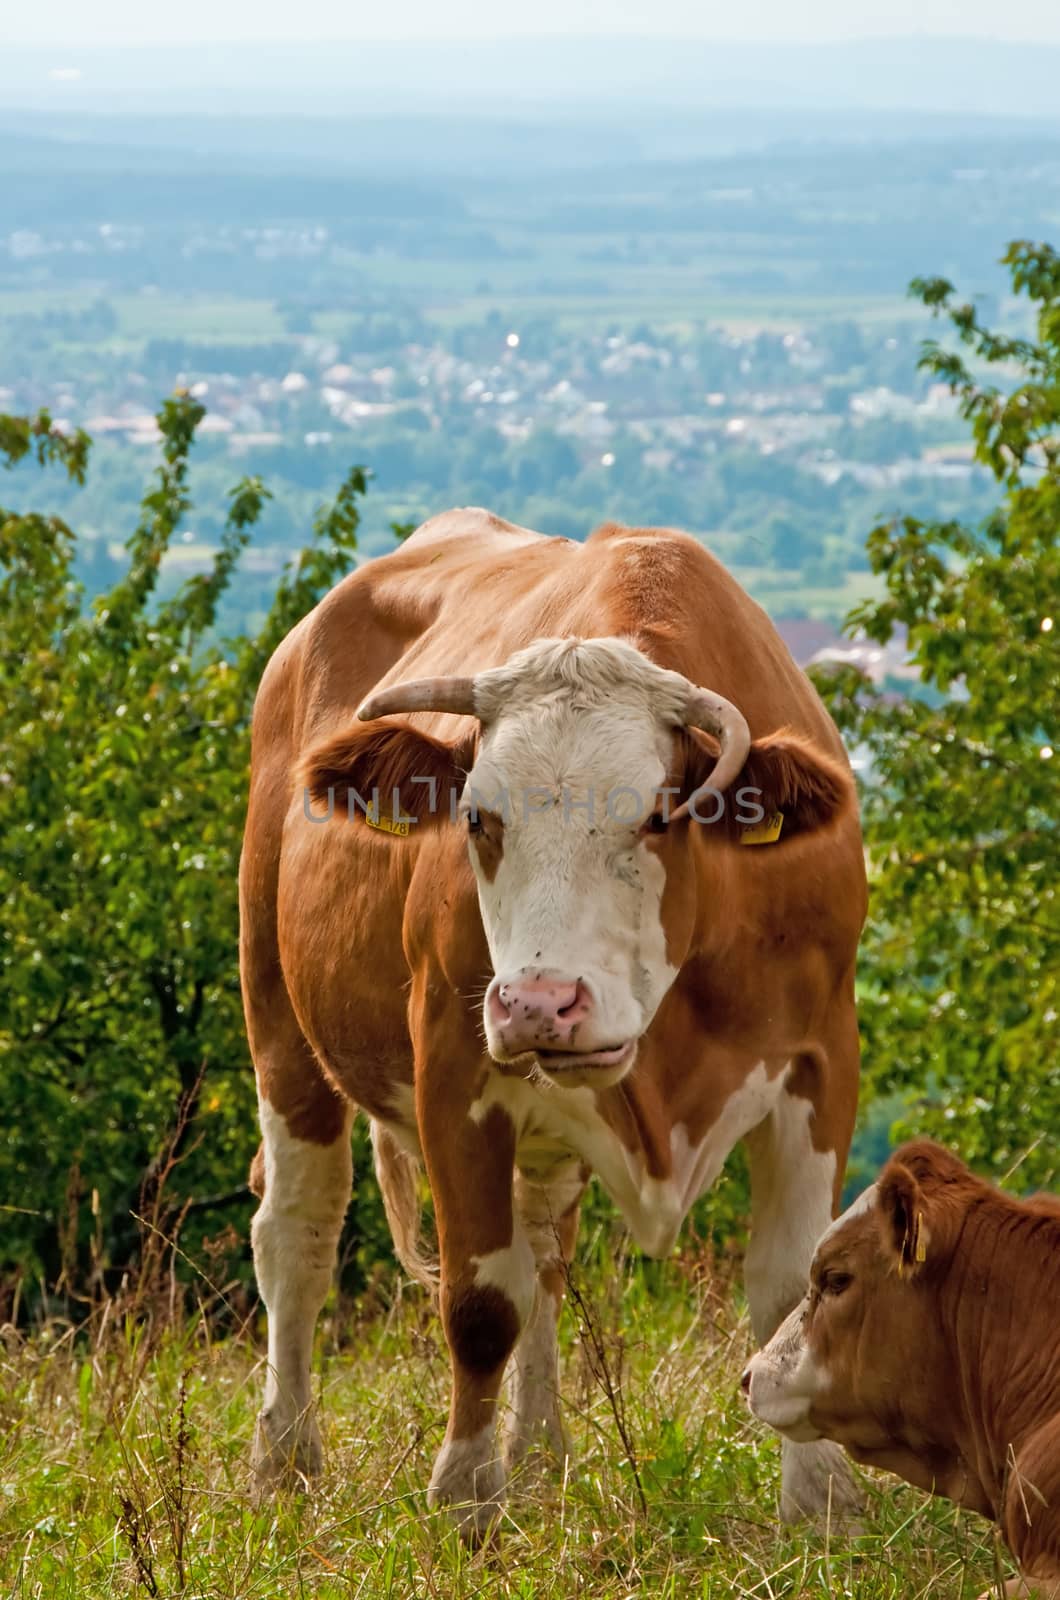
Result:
[{"x": 719, "y": 344}]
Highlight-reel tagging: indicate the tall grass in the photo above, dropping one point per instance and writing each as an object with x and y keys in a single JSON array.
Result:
[{"x": 123, "y": 1446}]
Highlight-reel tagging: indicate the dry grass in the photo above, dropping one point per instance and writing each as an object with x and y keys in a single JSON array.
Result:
[{"x": 123, "y": 1450}]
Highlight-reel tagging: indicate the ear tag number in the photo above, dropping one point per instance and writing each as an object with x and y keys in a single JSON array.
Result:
[
  {"x": 398, "y": 826},
  {"x": 767, "y": 832}
]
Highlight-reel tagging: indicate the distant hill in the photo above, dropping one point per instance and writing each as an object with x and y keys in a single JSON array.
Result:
[
  {"x": 570, "y": 74},
  {"x": 74, "y": 181}
]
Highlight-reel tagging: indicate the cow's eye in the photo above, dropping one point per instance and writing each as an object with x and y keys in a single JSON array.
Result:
[
  {"x": 657, "y": 823},
  {"x": 835, "y": 1283},
  {"x": 474, "y": 822}
]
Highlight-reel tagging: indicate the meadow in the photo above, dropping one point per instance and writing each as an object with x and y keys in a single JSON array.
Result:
[{"x": 123, "y": 1463}]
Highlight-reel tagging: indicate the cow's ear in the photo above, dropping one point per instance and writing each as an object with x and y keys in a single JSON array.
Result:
[
  {"x": 785, "y": 776},
  {"x": 796, "y": 781},
  {"x": 904, "y": 1232},
  {"x": 408, "y": 772}
]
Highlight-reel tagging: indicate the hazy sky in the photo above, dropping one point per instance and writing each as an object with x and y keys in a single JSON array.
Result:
[{"x": 115, "y": 22}]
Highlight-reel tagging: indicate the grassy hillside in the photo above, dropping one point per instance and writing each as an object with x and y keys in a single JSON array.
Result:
[{"x": 122, "y": 1469}]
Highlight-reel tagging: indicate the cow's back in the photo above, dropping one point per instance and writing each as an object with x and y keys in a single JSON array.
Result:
[{"x": 468, "y": 589}]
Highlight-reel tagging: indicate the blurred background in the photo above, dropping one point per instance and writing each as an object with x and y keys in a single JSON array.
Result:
[{"x": 589, "y": 262}]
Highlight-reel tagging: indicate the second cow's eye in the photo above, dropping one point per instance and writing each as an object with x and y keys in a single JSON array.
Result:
[
  {"x": 656, "y": 823},
  {"x": 834, "y": 1283}
]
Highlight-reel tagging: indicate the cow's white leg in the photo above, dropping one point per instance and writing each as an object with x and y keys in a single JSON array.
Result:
[
  {"x": 548, "y": 1211},
  {"x": 792, "y": 1199},
  {"x": 295, "y": 1235}
]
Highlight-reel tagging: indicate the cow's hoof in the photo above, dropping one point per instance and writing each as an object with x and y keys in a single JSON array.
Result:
[
  {"x": 537, "y": 1450},
  {"x": 474, "y": 1520},
  {"x": 817, "y": 1482},
  {"x": 468, "y": 1482},
  {"x": 285, "y": 1455},
  {"x": 539, "y": 1470}
]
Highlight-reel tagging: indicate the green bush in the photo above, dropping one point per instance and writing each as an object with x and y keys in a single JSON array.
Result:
[
  {"x": 960, "y": 964},
  {"x": 124, "y": 741}
]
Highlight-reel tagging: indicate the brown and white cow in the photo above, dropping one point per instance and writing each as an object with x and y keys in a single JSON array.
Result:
[
  {"x": 928, "y": 1344},
  {"x": 536, "y": 975}
]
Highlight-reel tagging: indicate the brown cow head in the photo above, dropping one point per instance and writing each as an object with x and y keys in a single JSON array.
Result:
[
  {"x": 591, "y": 768},
  {"x": 863, "y": 1359}
]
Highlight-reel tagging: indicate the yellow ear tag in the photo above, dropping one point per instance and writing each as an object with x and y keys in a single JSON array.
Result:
[
  {"x": 919, "y": 1247},
  {"x": 399, "y": 826},
  {"x": 766, "y": 832}
]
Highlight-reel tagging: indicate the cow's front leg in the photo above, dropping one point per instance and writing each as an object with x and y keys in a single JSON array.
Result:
[
  {"x": 305, "y": 1188},
  {"x": 1030, "y": 1510},
  {"x": 488, "y": 1284},
  {"x": 796, "y": 1157},
  {"x": 548, "y": 1210}
]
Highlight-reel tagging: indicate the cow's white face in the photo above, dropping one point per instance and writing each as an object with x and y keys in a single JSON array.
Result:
[
  {"x": 588, "y": 900},
  {"x": 784, "y": 1380},
  {"x": 577, "y": 743}
]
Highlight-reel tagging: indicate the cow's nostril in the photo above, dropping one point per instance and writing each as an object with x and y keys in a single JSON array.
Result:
[
  {"x": 531, "y": 1011},
  {"x": 575, "y": 1003},
  {"x": 745, "y": 1381},
  {"x": 500, "y": 1008}
]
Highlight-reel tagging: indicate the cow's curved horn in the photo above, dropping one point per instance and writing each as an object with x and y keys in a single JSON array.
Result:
[
  {"x": 421, "y": 694},
  {"x": 714, "y": 714}
]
